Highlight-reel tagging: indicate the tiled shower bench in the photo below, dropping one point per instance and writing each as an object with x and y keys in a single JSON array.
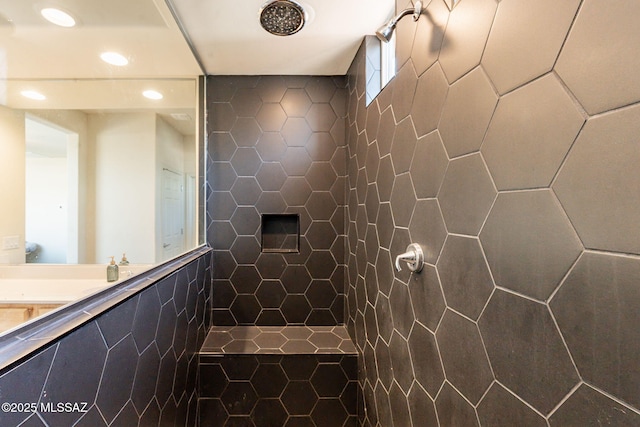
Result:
[{"x": 288, "y": 376}]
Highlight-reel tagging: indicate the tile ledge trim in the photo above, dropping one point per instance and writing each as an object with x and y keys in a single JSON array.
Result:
[{"x": 31, "y": 337}]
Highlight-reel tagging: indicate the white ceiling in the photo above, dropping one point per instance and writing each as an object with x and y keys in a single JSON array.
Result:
[
  {"x": 64, "y": 63},
  {"x": 230, "y": 41}
]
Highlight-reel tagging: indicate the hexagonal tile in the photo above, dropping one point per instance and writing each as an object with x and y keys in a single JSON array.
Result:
[
  {"x": 529, "y": 242},
  {"x": 295, "y": 308},
  {"x": 246, "y": 102},
  {"x": 221, "y": 176},
  {"x": 245, "y": 220},
  {"x": 587, "y": 404},
  {"x": 271, "y": 265},
  {"x": 525, "y": 39},
  {"x": 245, "y": 191},
  {"x": 267, "y": 409},
  {"x": 239, "y": 398},
  {"x": 321, "y": 176},
  {"x": 428, "y": 165},
  {"x": 245, "y": 309},
  {"x": 431, "y": 93},
  {"x": 465, "y": 37},
  {"x": 246, "y": 132},
  {"x": 270, "y": 294},
  {"x": 299, "y": 398},
  {"x": 463, "y": 356},
  {"x": 385, "y": 132},
  {"x": 427, "y": 229},
  {"x": 399, "y": 406},
  {"x": 403, "y": 200},
  {"x": 295, "y": 102},
  {"x": 328, "y": 380},
  {"x": 144, "y": 386},
  {"x": 271, "y": 146},
  {"x": 601, "y": 85},
  {"x": 271, "y": 117},
  {"x": 453, "y": 409},
  {"x": 271, "y": 176},
  {"x": 321, "y": 264},
  {"x": 425, "y": 359},
  {"x": 430, "y": 35},
  {"x": 321, "y": 235},
  {"x": 500, "y": 407},
  {"x": 245, "y": 279},
  {"x": 402, "y": 371},
  {"x": 401, "y": 308},
  {"x": 296, "y": 132},
  {"x": 404, "y": 91},
  {"x": 465, "y": 277},
  {"x": 530, "y": 135},
  {"x": 146, "y": 320},
  {"x": 295, "y": 191},
  {"x": 320, "y": 117},
  {"x": 117, "y": 376},
  {"x": 213, "y": 381},
  {"x": 426, "y": 297},
  {"x": 321, "y": 146},
  {"x": 221, "y": 146},
  {"x": 296, "y": 279},
  {"x": 599, "y": 186},
  {"x": 466, "y": 195},
  {"x": 321, "y": 206},
  {"x": 321, "y": 294},
  {"x": 222, "y": 117},
  {"x": 403, "y": 146},
  {"x": 296, "y": 161},
  {"x": 271, "y": 201},
  {"x": 329, "y": 412},
  {"x": 269, "y": 380},
  {"x": 320, "y": 89},
  {"x": 466, "y": 113},
  {"x": 421, "y": 407},
  {"x": 245, "y": 249},
  {"x": 596, "y": 308},
  {"x": 535, "y": 365},
  {"x": 271, "y": 88}
]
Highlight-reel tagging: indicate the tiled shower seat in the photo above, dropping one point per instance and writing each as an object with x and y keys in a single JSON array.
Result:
[{"x": 278, "y": 376}]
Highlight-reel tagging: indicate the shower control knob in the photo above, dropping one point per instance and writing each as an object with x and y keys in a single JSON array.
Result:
[{"x": 414, "y": 257}]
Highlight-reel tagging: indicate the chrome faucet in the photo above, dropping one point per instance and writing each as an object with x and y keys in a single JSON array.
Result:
[{"x": 414, "y": 257}]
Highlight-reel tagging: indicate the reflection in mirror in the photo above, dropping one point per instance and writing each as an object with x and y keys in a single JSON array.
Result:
[{"x": 96, "y": 160}]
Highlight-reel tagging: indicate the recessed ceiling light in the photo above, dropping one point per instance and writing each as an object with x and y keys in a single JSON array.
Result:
[
  {"x": 152, "y": 94},
  {"x": 58, "y": 17},
  {"x": 114, "y": 58},
  {"x": 32, "y": 94}
]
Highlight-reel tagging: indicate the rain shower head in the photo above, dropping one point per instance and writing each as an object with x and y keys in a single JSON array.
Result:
[
  {"x": 385, "y": 32},
  {"x": 282, "y": 17}
]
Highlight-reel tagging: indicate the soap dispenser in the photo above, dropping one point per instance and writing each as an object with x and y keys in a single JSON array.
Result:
[
  {"x": 124, "y": 260},
  {"x": 112, "y": 271}
]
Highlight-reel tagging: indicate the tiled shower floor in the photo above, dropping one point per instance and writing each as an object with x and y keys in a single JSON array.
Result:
[{"x": 278, "y": 340}]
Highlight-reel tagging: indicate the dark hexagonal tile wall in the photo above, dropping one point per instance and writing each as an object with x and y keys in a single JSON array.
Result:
[
  {"x": 102, "y": 364},
  {"x": 282, "y": 156},
  {"x": 522, "y": 185}
]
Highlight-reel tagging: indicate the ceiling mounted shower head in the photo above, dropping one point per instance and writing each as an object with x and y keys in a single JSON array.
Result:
[
  {"x": 385, "y": 32},
  {"x": 282, "y": 17}
]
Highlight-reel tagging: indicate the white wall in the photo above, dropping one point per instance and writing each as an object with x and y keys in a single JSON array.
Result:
[
  {"x": 170, "y": 155},
  {"x": 12, "y": 181},
  {"x": 124, "y": 185},
  {"x": 77, "y": 122},
  {"x": 47, "y": 206}
]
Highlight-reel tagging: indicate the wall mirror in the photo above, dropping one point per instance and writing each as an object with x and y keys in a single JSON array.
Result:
[{"x": 100, "y": 147}]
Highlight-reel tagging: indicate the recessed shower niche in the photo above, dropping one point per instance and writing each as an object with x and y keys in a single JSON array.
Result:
[{"x": 280, "y": 233}]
